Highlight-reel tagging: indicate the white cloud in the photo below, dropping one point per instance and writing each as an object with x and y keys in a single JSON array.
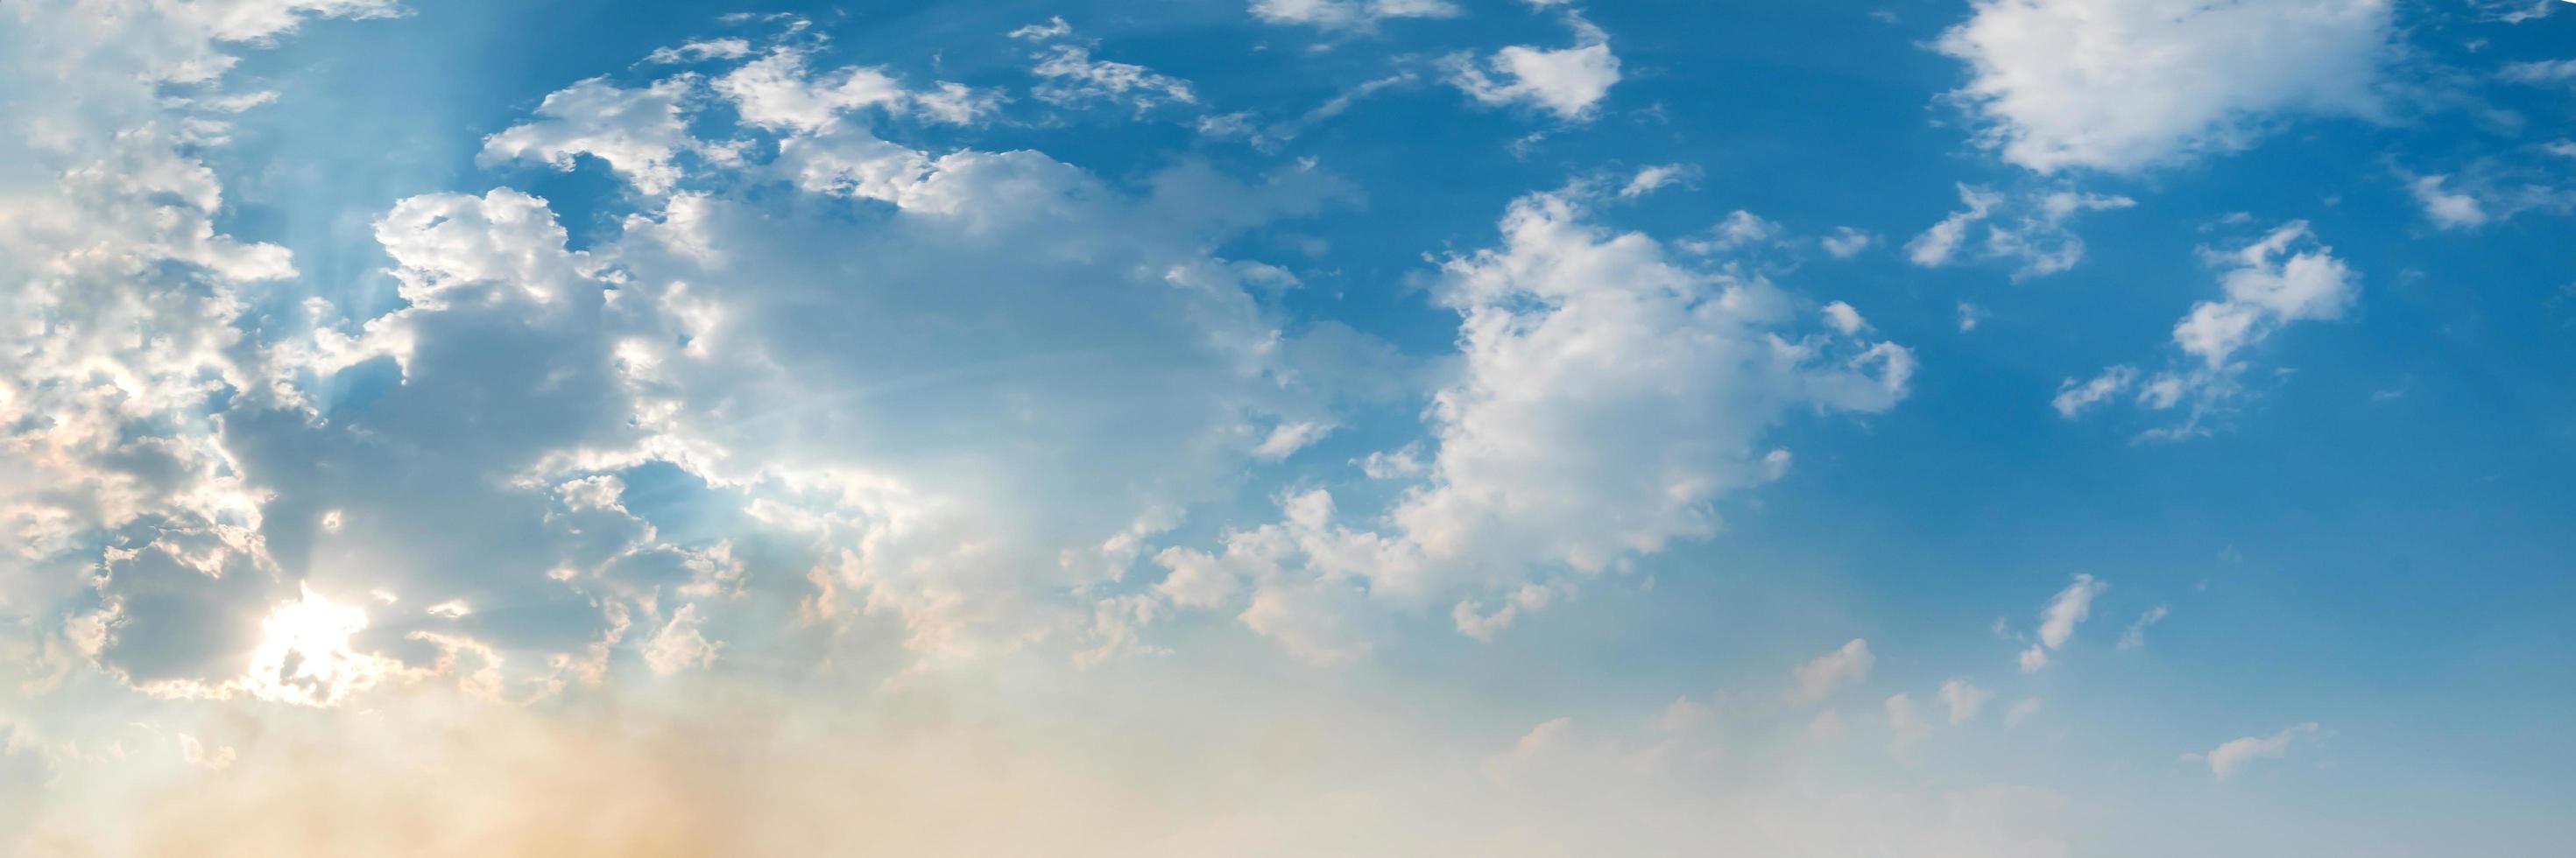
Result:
[
  {"x": 1970, "y": 316},
  {"x": 1566, "y": 313},
  {"x": 1841, "y": 317},
  {"x": 1054, "y": 28},
  {"x": 2449, "y": 210},
  {"x": 1963, "y": 699},
  {"x": 2074, "y": 399},
  {"x": 1606, "y": 395},
  {"x": 776, "y": 92},
  {"x": 1818, "y": 679},
  {"x": 956, "y": 103},
  {"x": 1847, "y": 242},
  {"x": 1358, "y": 15},
  {"x": 1906, "y": 727},
  {"x": 2058, "y": 619},
  {"x": 1741, "y": 229},
  {"x": 1072, "y": 77},
  {"x": 2124, "y": 85},
  {"x": 681, "y": 644},
  {"x": 2070, "y": 606},
  {"x": 1289, "y": 438},
  {"x": 2028, "y": 229},
  {"x": 701, "y": 50},
  {"x": 1568, "y": 82},
  {"x": 1312, "y": 620},
  {"x": 2021, "y": 711},
  {"x": 2136, "y": 637},
  {"x": 2284, "y": 277},
  {"x": 2492, "y": 190},
  {"x": 2227, "y": 758},
  {"x": 641, "y": 133},
  {"x": 1651, "y": 179},
  {"x": 2542, "y": 72}
]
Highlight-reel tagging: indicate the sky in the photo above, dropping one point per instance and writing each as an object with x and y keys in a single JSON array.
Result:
[{"x": 1287, "y": 427}]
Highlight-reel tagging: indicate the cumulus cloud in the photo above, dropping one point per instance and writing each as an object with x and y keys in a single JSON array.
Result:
[
  {"x": 1554, "y": 453},
  {"x": 1135, "y": 374},
  {"x": 2028, "y": 229},
  {"x": 2124, "y": 85},
  {"x": 2286, "y": 276},
  {"x": 1568, "y": 82}
]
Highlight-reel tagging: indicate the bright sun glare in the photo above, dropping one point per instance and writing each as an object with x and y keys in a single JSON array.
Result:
[{"x": 305, "y": 655}]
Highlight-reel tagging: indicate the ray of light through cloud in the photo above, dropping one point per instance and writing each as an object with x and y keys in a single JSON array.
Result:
[{"x": 1286, "y": 428}]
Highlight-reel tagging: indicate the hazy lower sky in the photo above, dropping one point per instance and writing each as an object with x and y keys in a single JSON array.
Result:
[{"x": 1287, "y": 427}]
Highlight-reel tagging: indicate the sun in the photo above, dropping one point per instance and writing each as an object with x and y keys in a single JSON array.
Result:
[{"x": 305, "y": 657}]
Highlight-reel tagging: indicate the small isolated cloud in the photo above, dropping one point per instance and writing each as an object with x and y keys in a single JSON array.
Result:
[
  {"x": 1353, "y": 15},
  {"x": 1818, "y": 679},
  {"x": 1741, "y": 229},
  {"x": 700, "y": 51},
  {"x": 2058, "y": 619},
  {"x": 1070, "y": 76},
  {"x": 2028, "y": 229},
  {"x": 2227, "y": 758},
  {"x": 1651, "y": 179},
  {"x": 2492, "y": 190},
  {"x": 1288, "y": 438},
  {"x": 1847, "y": 242},
  {"x": 1568, "y": 82},
  {"x": 1970, "y": 316},
  {"x": 2448, "y": 209},
  {"x": 2136, "y": 637},
  {"x": 2284, "y": 277},
  {"x": 1963, "y": 699},
  {"x": 2021, "y": 711}
]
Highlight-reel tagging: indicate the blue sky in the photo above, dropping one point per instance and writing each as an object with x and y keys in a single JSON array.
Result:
[{"x": 1370, "y": 427}]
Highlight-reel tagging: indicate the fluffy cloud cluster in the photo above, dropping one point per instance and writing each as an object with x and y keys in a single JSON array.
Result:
[
  {"x": 996, "y": 390},
  {"x": 2122, "y": 85},
  {"x": 1606, "y": 395},
  {"x": 965, "y": 418},
  {"x": 134, "y": 533},
  {"x": 2287, "y": 276}
]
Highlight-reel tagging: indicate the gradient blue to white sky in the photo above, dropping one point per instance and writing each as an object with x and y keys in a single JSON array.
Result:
[{"x": 1288, "y": 427}]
